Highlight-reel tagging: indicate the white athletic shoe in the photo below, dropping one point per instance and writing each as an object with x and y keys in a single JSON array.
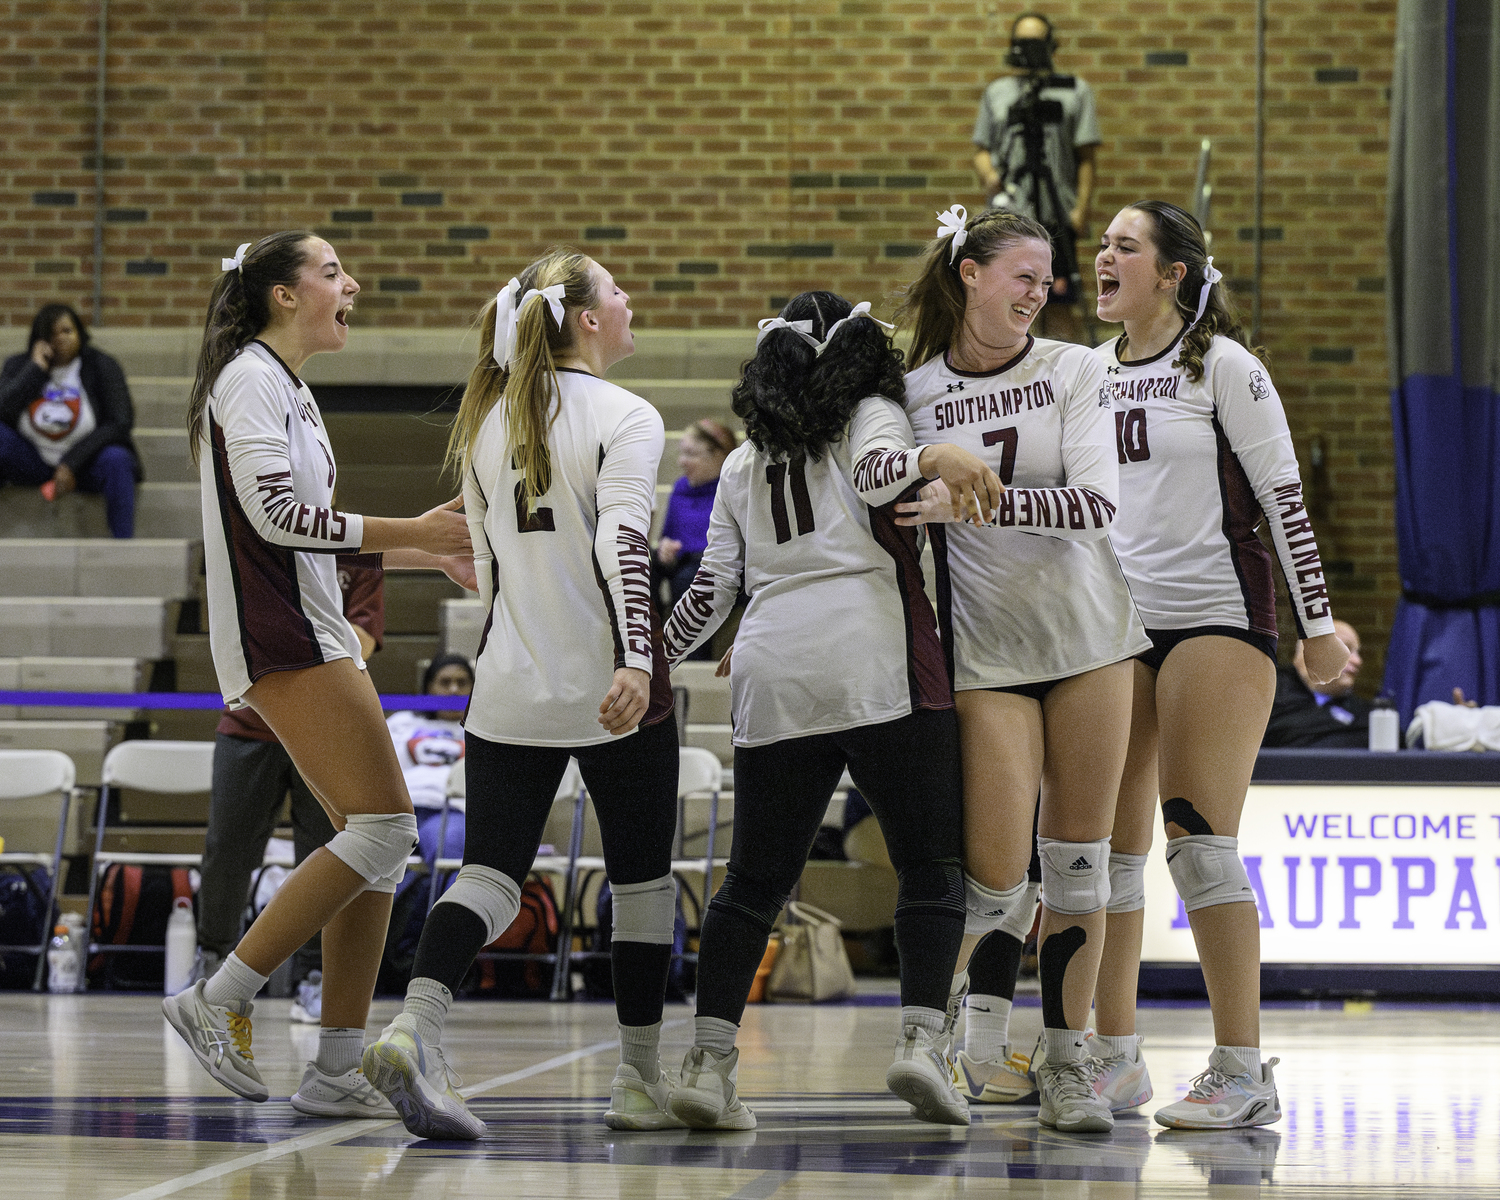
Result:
[
  {"x": 706, "y": 1098},
  {"x": 636, "y": 1104},
  {"x": 308, "y": 1005},
  {"x": 1121, "y": 1082},
  {"x": 955, "y": 1007},
  {"x": 1006, "y": 1080},
  {"x": 415, "y": 1078},
  {"x": 922, "y": 1075},
  {"x": 219, "y": 1037},
  {"x": 346, "y": 1095},
  {"x": 1069, "y": 1102},
  {"x": 1226, "y": 1096}
]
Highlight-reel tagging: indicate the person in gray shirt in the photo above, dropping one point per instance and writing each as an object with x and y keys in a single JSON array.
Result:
[{"x": 1037, "y": 133}]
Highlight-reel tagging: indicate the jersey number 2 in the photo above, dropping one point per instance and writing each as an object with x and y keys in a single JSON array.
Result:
[{"x": 776, "y": 475}]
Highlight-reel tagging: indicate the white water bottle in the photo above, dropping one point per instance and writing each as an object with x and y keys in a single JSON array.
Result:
[
  {"x": 62, "y": 961},
  {"x": 1385, "y": 725},
  {"x": 182, "y": 945}
]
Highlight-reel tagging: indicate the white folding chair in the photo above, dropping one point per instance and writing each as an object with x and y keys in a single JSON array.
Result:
[
  {"x": 27, "y": 775},
  {"x": 173, "y": 768}
]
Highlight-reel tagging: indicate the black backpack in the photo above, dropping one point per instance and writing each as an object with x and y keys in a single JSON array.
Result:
[{"x": 23, "y": 919}]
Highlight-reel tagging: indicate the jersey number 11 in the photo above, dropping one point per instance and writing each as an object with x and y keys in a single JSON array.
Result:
[{"x": 776, "y": 475}]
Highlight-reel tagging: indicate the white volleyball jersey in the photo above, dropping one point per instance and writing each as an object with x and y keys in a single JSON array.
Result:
[
  {"x": 838, "y": 632},
  {"x": 568, "y": 585},
  {"x": 1201, "y": 464},
  {"x": 1039, "y": 595},
  {"x": 271, "y": 535}
]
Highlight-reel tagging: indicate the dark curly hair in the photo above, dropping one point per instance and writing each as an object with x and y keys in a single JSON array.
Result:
[{"x": 794, "y": 402}]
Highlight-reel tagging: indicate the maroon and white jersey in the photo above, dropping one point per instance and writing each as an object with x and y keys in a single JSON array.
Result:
[
  {"x": 1039, "y": 595},
  {"x": 271, "y": 536},
  {"x": 1201, "y": 464},
  {"x": 838, "y": 633},
  {"x": 568, "y": 584}
]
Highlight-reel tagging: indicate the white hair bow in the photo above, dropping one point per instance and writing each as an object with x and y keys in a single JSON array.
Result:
[
  {"x": 951, "y": 224},
  {"x": 508, "y": 314},
  {"x": 803, "y": 329},
  {"x": 862, "y": 309},
  {"x": 236, "y": 263},
  {"x": 1211, "y": 276}
]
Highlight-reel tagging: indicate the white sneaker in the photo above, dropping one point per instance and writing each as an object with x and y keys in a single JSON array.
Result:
[
  {"x": 415, "y": 1078},
  {"x": 346, "y": 1095},
  {"x": 308, "y": 1005},
  {"x": 219, "y": 1038},
  {"x": 1122, "y": 1082},
  {"x": 636, "y": 1104},
  {"x": 706, "y": 1099},
  {"x": 1226, "y": 1096},
  {"x": 955, "y": 1007},
  {"x": 1069, "y": 1102},
  {"x": 922, "y": 1075},
  {"x": 997, "y": 1080}
]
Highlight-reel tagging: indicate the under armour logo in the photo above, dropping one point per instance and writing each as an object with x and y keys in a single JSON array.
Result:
[
  {"x": 1080, "y": 864},
  {"x": 1114, "y": 369},
  {"x": 956, "y": 387}
]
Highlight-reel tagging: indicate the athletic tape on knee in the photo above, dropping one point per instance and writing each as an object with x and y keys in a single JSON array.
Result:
[
  {"x": 1018, "y": 922},
  {"x": 986, "y": 909},
  {"x": 375, "y": 844},
  {"x": 645, "y": 912},
  {"x": 1207, "y": 870},
  {"x": 1127, "y": 882},
  {"x": 493, "y": 896},
  {"x": 1075, "y": 875}
]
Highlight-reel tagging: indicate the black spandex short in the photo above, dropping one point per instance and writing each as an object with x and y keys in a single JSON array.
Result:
[
  {"x": 1164, "y": 640},
  {"x": 1032, "y": 691}
]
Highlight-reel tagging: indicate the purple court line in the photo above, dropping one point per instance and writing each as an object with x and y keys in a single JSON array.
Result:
[{"x": 390, "y": 703}]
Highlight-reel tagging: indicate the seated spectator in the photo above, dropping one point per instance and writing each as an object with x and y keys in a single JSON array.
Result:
[
  {"x": 684, "y": 532},
  {"x": 65, "y": 419},
  {"x": 427, "y": 746},
  {"x": 1329, "y": 718}
]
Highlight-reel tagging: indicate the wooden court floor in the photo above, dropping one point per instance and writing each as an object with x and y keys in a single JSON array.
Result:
[{"x": 99, "y": 1100}]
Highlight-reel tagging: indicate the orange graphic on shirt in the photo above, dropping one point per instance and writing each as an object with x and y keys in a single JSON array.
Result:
[{"x": 54, "y": 414}]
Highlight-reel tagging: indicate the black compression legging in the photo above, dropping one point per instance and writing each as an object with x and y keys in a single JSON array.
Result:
[
  {"x": 908, "y": 770},
  {"x": 632, "y": 782}
]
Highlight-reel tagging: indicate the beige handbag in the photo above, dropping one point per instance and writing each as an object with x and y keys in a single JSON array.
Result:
[{"x": 813, "y": 964}]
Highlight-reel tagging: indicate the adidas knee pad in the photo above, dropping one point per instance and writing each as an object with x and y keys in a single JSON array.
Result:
[
  {"x": 645, "y": 912},
  {"x": 1127, "y": 882},
  {"x": 1207, "y": 870},
  {"x": 1018, "y": 921},
  {"x": 986, "y": 910},
  {"x": 376, "y": 845},
  {"x": 491, "y": 895},
  {"x": 1075, "y": 875},
  {"x": 934, "y": 888}
]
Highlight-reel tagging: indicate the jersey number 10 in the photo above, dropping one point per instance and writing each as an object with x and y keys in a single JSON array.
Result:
[
  {"x": 776, "y": 475},
  {"x": 1130, "y": 436}
]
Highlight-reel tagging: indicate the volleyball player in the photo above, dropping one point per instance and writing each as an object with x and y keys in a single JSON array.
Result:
[
  {"x": 836, "y": 663},
  {"x": 1039, "y": 626},
  {"x": 559, "y": 471},
  {"x": 281, "y": 646},
  {"x": 1205, "y": 456}
]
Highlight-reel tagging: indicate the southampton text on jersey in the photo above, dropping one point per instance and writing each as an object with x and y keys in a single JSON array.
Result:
[{"x": 970, "y": 410}]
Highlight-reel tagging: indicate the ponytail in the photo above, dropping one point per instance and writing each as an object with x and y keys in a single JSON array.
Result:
[{"x": 238, "y": 309}]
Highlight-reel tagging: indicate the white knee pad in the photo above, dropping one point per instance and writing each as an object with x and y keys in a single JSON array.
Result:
[
  {"x": 492, "y": 895},
  {"x": 1018, "y": 921},
  {"x": 987, "y": 909},
  {"x": 1207, "y": 870},
  {"x": 388, "y": 884},
  {"x": 1127, "y": 882},
  {"x": 645, "y": 912},
  {"x": 376, "y": 845},
  {"x": 1075, "y": 875}
]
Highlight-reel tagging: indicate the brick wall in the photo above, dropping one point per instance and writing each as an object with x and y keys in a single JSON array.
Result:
[{"x": 717, "y": 155}]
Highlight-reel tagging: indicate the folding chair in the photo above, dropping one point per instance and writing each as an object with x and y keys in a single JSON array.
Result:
[
  {"x": 25, "y": 775},
  {"x": 174, "y": 768}
]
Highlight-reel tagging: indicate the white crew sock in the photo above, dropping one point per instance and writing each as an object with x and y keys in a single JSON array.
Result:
[
  {"x": 1063, "y": 1045},
  {"x": 715, "y": 1035},
  {"x": 232, "y": 984},
  {"x": 427, "y": 1003},
  {"x": 1250, "y": 1056},
  {"x": 1121, "y": 1045},
  {"x": 986, "y": 1027},
  {"x": 339, "y": 1050},
  {"x": 923, "y": 1018},
  {"x": 640, "y": 1047}
]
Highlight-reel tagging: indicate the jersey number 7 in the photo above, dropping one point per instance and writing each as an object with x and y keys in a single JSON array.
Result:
[
  {"x": 776, "y": 475},
  {"x": 1008, "y": 439}
]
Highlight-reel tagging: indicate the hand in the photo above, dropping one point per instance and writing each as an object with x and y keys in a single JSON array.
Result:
[
  {"x": 625, "y": 704},
  {"x": 931, "y": 507},
  {"x": 63, "y": 480},
  {"x": 460, "y": 569},
  {"x": 41, "y": 354},
  {"x": 972, "y": 487},
  {"x": 1324, "y": 657},
  {"x": 1458, "y": 699},
  {"x": 667, "y": 551},
  {"x": 444, "y": 531},
  {"x": 722, "y": 670}
]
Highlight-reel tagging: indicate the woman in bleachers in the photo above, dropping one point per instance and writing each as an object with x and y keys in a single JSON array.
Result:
[
  {"x": 684, "y": 530},
  {"x": 66, "y": 416},
  {"x": 281, "y": 645}
]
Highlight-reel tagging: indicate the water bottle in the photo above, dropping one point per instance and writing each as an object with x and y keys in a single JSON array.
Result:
[
  {"x": 1385, "y": 725},
  {"x": 182, "y": 945},
  {"x": 62, "y": 960}
]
